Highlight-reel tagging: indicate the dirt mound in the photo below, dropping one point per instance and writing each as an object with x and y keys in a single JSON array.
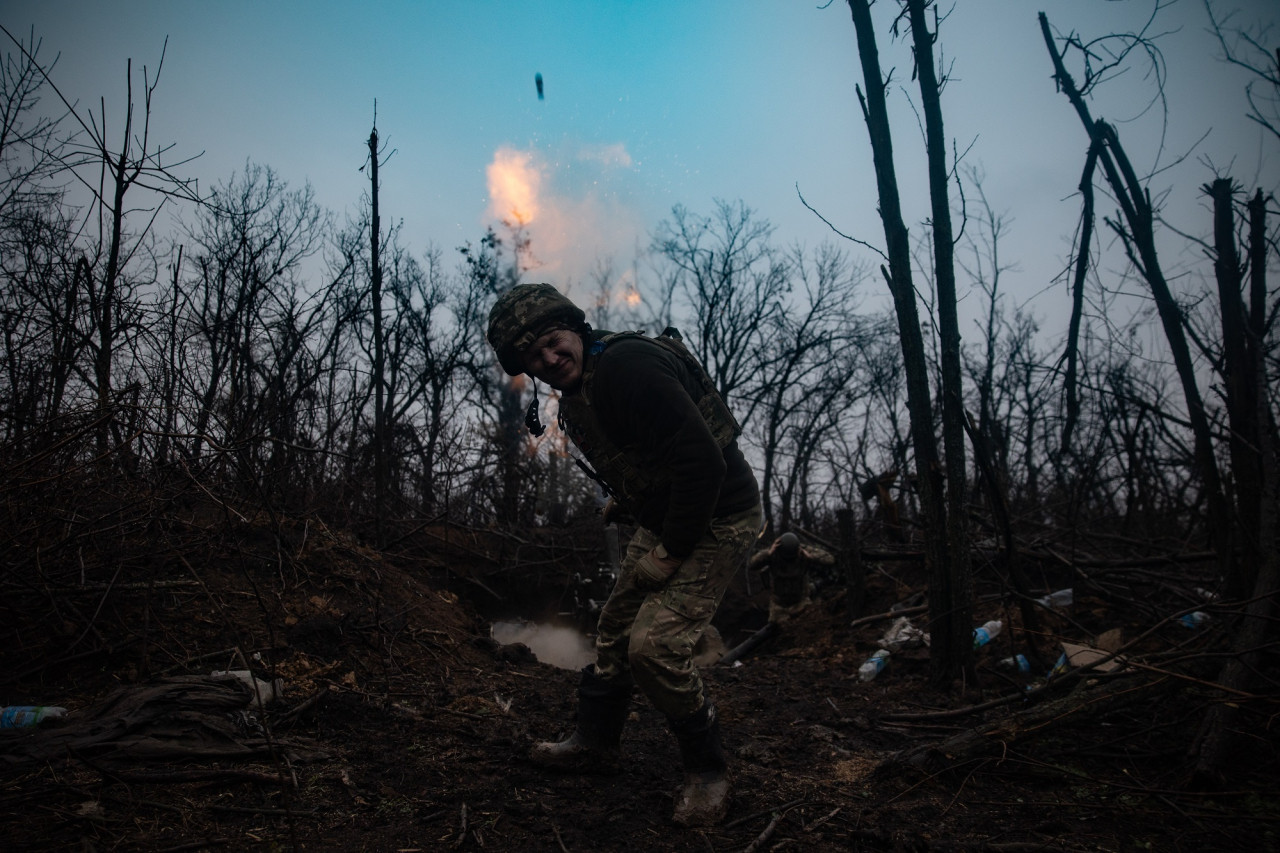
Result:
[{"x": 403, "y": 725}]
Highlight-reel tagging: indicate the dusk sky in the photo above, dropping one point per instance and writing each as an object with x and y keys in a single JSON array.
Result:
[{"x": 647, "y": 105}]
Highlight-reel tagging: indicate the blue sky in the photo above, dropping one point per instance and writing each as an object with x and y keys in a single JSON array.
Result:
[{"x": 647, "y": 105}]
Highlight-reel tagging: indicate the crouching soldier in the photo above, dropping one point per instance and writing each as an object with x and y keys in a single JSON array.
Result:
[{"x": 649, "y": 421}]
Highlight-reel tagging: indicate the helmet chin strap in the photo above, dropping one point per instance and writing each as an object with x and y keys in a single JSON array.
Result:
[{"x": 531, "y": 419}]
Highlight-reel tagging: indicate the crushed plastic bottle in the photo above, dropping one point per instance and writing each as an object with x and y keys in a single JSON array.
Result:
[
  {"x": 1059, "y": 600},
  {"x": 20, "y": 716},
  {"x": 987, "y": 632},
  {"x": 872, "y": 666},
  {"x": 1198, "y": 619},
  {"x": 264, "y": 692},
  {"x": 901, "y": 635}
]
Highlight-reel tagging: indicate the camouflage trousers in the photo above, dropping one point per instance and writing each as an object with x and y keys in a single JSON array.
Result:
[{"x": 650, "y": 635}]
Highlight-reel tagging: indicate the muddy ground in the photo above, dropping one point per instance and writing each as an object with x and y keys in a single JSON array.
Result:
[{"x": 403, "y": 726}]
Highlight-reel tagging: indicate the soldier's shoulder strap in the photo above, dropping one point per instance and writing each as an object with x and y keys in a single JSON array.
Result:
[{"x": 724, "y": 426}]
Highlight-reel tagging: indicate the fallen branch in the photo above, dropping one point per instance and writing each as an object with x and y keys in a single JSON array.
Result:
[
  {"x": 764, "y": 837},
  {"x": 891, "y": 614},
  {"x": 1034, "y": 722}
]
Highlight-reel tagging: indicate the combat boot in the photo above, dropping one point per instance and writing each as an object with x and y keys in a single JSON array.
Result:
[
  {"x": 704, "y": 799},
  {"x": 594, "y": 745}
]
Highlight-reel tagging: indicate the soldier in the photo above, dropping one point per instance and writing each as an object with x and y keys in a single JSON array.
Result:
[
  {"x": 789, "y": 566},
  {"x": 661, "y": 440}
]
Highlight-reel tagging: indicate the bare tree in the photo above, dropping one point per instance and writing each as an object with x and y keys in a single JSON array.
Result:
[
  {"x": 1243, "y": 45},
  {"x": 438, "y": 357},
  {"x": 43, "y": 318},
  {"x": 1251, "y": 521},
  {"x": 381, "y": 403},
  {"x": 31, "y": 146},
  {"x": 983, "y": 264},
  {"x": 953, "y": 601},
  {"x": 797, "y": 377},
  {"x": 111, "y": 175},
  {"x": 1136, "y": 228},
  {"x": 724, "y": 273},
  {"x": 949, "y": 613},
  {"x": 249, "y": 246},
  {"x": 490, "y": 269}
]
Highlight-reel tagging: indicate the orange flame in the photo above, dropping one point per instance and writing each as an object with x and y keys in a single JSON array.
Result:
[{"x": 514, "y": 181}]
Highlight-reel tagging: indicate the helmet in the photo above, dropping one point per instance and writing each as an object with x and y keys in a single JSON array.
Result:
[
  {"x": 520, "y": 314},
  {"x": 788, "y": 545}
]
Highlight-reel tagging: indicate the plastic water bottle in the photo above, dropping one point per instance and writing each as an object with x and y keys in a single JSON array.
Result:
[
  {"x": 1194, "y": 620},
  {"x": 871, "y": 668},
  {"x": 19, "y": 716},
  {"x": 1018, "y": 662},
  {"x": 987, "y": 632}
]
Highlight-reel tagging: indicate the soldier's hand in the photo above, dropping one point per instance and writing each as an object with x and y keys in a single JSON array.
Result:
[{"x": 654, "y": 569}]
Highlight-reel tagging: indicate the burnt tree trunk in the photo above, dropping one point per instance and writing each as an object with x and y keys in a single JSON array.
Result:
[
  {"x": 379, "y": 366},
  {"x": 1081, "y": 272},
  {"x": 1253, "y": 458},
  {"x": 951, "y": 595},
  {"x": 898, "y": 275},
  {"x": 1239, "y": 376}
]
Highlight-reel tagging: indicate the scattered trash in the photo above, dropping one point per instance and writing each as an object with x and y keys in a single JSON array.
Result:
[
  {"x": 1060, "y": 667},
  {"x": 873, "y": 665},
  {"x": 1207, "y": 595},
  {"x": 1110, "y": 640},
  {"x": 986, "y": 632},
  {"x": 1198, "y": 619},
  {"x": 1059, "y": 600},
  {"x": 21, "y": 716},
  {"x": 265, "y": 692},
  {"x": 1018, "y": 662},
  {"x": 902, "y": 635},
  {"x": 1077, "y": 655}
]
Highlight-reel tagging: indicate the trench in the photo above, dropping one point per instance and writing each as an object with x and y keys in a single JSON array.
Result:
[{"x": 554, "y": 618}]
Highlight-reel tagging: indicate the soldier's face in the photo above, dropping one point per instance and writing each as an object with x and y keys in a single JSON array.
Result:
[{"x": 555, "y": 358}]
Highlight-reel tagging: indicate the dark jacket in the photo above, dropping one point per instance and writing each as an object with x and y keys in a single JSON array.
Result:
[{"x": 644, "y": 399}]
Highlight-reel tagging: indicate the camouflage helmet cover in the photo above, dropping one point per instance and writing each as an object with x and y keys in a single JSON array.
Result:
[{"x": 521, "y": 314}]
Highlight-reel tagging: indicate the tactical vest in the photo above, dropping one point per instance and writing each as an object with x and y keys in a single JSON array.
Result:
[{"x": 624, "y": 480}]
